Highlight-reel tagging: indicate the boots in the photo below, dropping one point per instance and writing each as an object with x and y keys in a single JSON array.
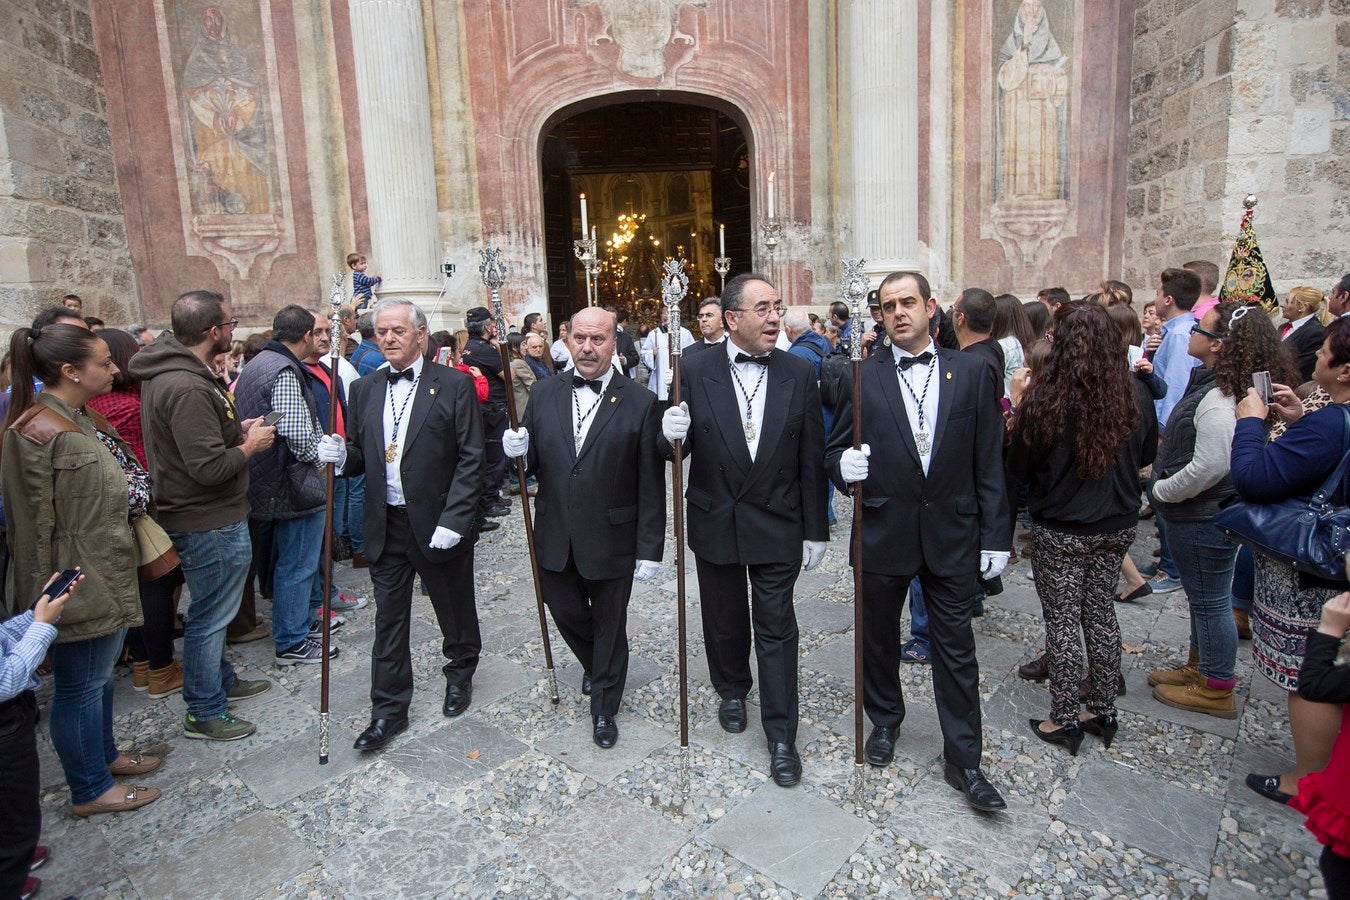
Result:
[
  {"x": 1244, "y": 624},
  {"x": 166, "y": 681},
  {"x": 140, "y": 676},
  {"x": 1178, "y": 675},
  {"x": 1211, "y": 696}
]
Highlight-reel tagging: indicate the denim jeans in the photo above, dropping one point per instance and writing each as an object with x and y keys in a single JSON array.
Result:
[
  {"x": 215, "y": 564},
  {"x": 82, "y": 712},
  {"x": 1205, "y": 559},
  {"x": 918, "y": 612},
  {"x": 298, "y": 577},
  {"x": 1244, "y": 580},
  {"x": 1166, "y": 563},
  {"x": 349, "y": 501}
]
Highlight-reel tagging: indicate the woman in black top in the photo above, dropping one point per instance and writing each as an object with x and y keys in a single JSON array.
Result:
[{"x": 1083, "y": 431}]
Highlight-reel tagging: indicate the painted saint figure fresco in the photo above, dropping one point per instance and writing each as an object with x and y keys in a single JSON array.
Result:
[{"x": 1032, "y": 111}]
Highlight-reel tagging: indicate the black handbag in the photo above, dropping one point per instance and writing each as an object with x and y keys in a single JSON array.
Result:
[{"x": 1307, "y": 533}]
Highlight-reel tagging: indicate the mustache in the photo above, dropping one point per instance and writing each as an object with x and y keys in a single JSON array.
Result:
[{"x": 588, "y": 355}]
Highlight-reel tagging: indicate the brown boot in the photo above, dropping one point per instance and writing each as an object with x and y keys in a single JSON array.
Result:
[
  {"x": 359, "y": 560},
  {"x": 140, "y": 675},
  {"x": 1244, "y": 624},
  {"x": 1178, "y": 675},
  {"x": 1036, "y": 670},
  {"x": 166, "y": 681},
  {"x": 1197, "y": 697}
]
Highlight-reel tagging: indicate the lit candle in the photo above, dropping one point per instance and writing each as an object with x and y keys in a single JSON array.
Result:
[
  {"x": 592, "y": 233},
  {"x": 771, "y": 203},
  {"x": 585, "y": 223},
  {"x": 722, "y": 239}
]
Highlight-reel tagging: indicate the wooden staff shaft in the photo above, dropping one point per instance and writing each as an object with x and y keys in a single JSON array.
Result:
[
  {"x": 856, "y": 538},
  {"x": 677, "y": 488},
  {"x": 334, "y": 387}
]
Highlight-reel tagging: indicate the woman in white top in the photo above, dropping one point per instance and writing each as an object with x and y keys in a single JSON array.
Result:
[{"x": 1013, "y": 331}]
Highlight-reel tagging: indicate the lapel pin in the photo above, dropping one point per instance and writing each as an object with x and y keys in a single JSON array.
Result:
[
  {"x": 613, "y": 399},
  {"x": 433, "y": 390},
  {"x": 949, "y": 377}
]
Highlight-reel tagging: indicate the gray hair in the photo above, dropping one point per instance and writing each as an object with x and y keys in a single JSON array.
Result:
[
  {"x": 797, "y": 321},
  {"x": 135, "y": 331},
  {"x": 418, "y": 317},
  {"x": 365, "y": 325}
]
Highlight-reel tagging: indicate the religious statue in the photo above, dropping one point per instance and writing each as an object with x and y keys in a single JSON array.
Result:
[{"x": 1032, "y": 111}]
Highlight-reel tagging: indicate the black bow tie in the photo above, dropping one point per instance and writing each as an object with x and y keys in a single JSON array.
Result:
[
  {"x": 578, "y": 382},
  {"x": 922, "y": 359},
  {"x": 747, "y": 358},
  {"x": 397, "y": 376}
]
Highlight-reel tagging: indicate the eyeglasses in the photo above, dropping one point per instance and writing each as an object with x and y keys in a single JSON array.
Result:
[
  {"x": 762, "y": 310},
  {"x": 1196, "y": 329},
  {"x": 228, "y": 324}
]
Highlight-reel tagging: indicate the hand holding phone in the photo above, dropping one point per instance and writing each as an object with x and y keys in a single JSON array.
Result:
[
  {"x": 272, "y": 418},
  {"x": 48, "y": 607},
  {"x": 1261, "y": 381}
]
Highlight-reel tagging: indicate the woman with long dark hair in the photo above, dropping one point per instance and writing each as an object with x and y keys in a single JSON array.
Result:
[
  {"x": 73, "y": 486},
  {"x": 1191, "y": 484},
  {"x": 1013, "y": 331},
  {"x": 1084, "y": 429}
]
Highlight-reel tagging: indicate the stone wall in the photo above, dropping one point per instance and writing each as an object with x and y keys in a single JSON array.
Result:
[
  {"x": 1231, "y": 97},
  {"x": 61, "y": 226}
]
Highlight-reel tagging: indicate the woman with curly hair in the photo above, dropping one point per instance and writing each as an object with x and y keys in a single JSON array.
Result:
[
  {"x": 1191, "y": 484},
  {"x": 1083, "y": 431}
]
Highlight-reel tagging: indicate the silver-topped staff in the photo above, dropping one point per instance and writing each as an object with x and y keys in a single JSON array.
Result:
[
  {"x": 855, "y": 284},
  {"x": 335, "y": 324},
  {"x": 674, "y": 286},
  {"x": 493, "y": 272}
]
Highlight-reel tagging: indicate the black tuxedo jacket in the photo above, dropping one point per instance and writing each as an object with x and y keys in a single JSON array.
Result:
[
  {"x": 699, "y": 346},
  {"x": 606, "y": 505},
  {"x": 944, "y": 520},
  {"x": 1304, "y": 344},
  {"x": 442, "y": 463},
  {"x": 747, "y": 513}
]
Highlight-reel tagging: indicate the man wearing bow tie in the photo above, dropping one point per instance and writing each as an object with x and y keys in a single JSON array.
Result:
[
  {"x": 590, "y": 435},
  {"x": 752, "y": 430},
  {"x": 414, "y": 430},
  {"x": 933, "y": 507}
]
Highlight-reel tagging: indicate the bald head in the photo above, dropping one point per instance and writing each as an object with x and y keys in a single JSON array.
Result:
[{"x": 592, "y": 338}]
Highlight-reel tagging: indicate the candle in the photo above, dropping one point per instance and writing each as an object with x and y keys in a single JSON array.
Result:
[
  {"x": 722, "y": 239},
  {"x": 592, "y": 234},
  {"x": 584, "y": 221},
  {"x": 771, "y": 203}
]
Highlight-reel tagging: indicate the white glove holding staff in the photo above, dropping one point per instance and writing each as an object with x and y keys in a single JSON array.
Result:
[
  {"x": 993, "y": 562},
  {"x": 853, "y": 464},
  {"x": 516, "y": 442},
  {"x": 675, "y": 423}
]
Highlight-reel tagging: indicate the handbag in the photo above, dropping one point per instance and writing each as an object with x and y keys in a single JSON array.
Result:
[
  {"x": 155, "y": 553},
  {"x": 1307, "y": 533}
]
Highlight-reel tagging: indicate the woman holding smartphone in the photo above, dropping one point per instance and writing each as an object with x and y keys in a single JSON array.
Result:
[{"x": 73, "y": 487}]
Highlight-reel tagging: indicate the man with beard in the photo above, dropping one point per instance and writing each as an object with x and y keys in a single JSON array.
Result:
[
  {"x": 754, "y": 437},
  {"x": 592, "y": 440},
  {"x": 198, "y": 451}
]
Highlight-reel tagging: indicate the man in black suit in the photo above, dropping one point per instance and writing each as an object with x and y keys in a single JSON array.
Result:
[
  {"x": 711, "y": 331},
  {"x": 626, "y": 350},
  {"x": 416, "y": 433},
  {"x": 753, "y": 432},
  {"x": 934, "y": 507},
  {"x": 591, "y": 438},
  {"x": 973, "y": 324}
]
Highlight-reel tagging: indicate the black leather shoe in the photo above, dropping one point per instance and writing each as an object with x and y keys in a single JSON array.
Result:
[
  {"x": 497, "y": 510},
  {"x": 1268, "y": 786},
  {"x": 880, "y": 746},
  {"x": 1104, "y": 727},
  {"x": 1069, "y": 737},
  {"x": 1036, "y": 670},
  {"x": 606, "y": 732},
  {"x": 379, "y": 733},
  {"x": 731, "y": 715},
  {"x": 784, "y": 764},
  {"x": 457, "y": 698},
  {"x": 971, "y": 782},
  {"x": 586, "y": 683},
  {"x": 488, "y": 525}
]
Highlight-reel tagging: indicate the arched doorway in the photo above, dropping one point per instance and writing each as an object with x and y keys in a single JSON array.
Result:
[{"x": 662, "y": 179}]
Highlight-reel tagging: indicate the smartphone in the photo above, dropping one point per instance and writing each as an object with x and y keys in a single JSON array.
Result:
[
  {"x": 273, "y": 418},
  {"x": 59, "y": 586},
  {"x": 443, "y": 356},
  {"x": 1261, "y": 381}
]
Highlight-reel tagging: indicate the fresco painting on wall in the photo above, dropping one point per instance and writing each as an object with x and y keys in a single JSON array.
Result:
[{"x": 1032, "y": 112}]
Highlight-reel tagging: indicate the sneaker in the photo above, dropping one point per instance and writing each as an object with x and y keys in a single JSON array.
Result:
[
  {"x": 335, "y": 622},
  {"x": 166, "y": 681},
  {"x": 1149, "y": 570},
  {"x": 31, "y": 885},
  {"x": 242, "y": 689},
  {"x": 914, "y": 651},
  {"x": 1162, "y": 584},
  {"x": 140, "y": 676},
  {"x": 345, "y": 603},
  {"x": 223, "y": 727},
  {"x": 306, "y": 652}
]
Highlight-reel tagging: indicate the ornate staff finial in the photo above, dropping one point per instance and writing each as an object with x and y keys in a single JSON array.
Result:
[
  {"x": 493, "y": 272},
  {"x": 1249, "y": 202},
  {"x": 855, "y": 290},
  {"x": 674, "y": 286}
]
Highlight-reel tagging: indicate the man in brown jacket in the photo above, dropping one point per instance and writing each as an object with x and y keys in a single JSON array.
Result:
[{"x": 198, "y": 452}]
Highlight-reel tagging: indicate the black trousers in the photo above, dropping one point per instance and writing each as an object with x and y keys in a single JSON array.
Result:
[
  {"x": 22, "y": 822},
  {"x": 1335, "y": 874},
  {"x": 730, "y": 618},
  {"x": 494, "y": 459},
  {"x": 951, "y": 641},
  {"x": 450, "y": 585},
  {"x": 592, "y": 617},
  {"x": 152, "y": 642}
]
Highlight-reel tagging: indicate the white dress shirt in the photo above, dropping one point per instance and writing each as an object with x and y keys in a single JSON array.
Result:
[
  {"x": 744, "y": 378},
  {"x": 1296, "y": 324},
  {"x": 394, "y": 399},
  {"x": 584, "y": 398},
  {"x": 916, "y": 376}
]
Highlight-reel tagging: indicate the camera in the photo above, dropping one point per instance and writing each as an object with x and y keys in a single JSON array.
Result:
[{"x": 447, "y": 267}]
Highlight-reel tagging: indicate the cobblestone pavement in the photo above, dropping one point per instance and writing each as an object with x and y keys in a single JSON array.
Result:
[{"x": 514, "y": 799}]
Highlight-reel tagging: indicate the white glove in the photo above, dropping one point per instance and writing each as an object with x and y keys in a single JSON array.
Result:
[
  {"x": 992, "y": 563},
  {"x": 675, "y": 423},
  {"x": 443, "y": 538},
  {"x": 516, "y": 442},
  {"x": 646, "y": 569},
  {"x": 812, "y": 553},
  {"x": 332, "y": 449},
  {"x": 668, "y": 377},
  {"x": 853, "y": 464}
]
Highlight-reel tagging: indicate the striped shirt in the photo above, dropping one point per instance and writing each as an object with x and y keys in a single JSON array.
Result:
[
  {"x": 363, "y": 283},
  {"x": 23, "y": 643}
]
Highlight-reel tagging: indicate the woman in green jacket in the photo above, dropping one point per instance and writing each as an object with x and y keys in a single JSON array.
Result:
[{"x": 72, "y": 487}]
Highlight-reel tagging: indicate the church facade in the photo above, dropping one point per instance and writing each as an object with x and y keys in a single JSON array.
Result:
[{"x": 156, "y": 146}]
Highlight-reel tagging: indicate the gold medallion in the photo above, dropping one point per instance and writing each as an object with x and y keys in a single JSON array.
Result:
[{"x": 391, "y": 452}]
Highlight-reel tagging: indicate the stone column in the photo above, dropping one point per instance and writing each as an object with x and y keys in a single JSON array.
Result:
[
  {"x": 884, "y": 109},
  {"x": 395, "y": 106}
]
